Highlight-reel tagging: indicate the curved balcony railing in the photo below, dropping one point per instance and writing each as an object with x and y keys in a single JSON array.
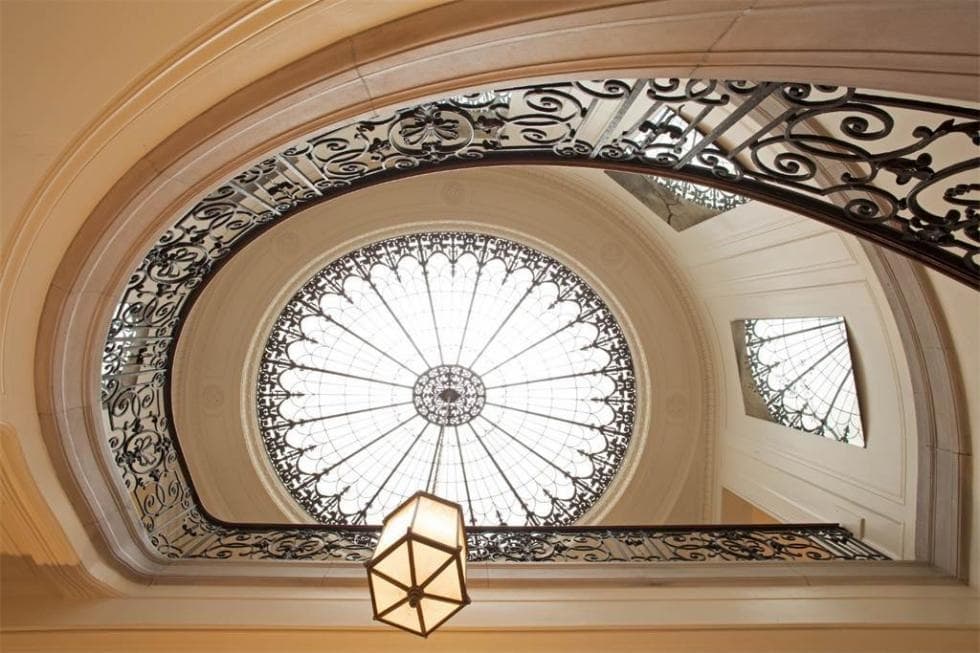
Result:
[{"x": 896, "y": 171}]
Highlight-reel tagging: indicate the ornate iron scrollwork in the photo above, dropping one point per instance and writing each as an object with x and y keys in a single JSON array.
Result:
[
  {"x": 890, "y": 169},
  {"x": 807, "y": 542},
  {"x": 680, "y": 544}
]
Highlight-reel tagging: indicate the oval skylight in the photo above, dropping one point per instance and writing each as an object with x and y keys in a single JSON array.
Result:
[{"x": 469, "y": 365}]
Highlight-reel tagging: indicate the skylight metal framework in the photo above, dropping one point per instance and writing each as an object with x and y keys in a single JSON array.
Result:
[{"x": 466, "y": 363}]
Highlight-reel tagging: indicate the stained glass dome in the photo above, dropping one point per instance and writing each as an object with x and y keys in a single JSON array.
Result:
[{"x": 469, "y": 365}]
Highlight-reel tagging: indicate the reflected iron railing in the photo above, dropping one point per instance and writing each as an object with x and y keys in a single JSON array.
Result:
[
  {"x": 713, "y": 543},
  {"x": 582, "y": 544}
]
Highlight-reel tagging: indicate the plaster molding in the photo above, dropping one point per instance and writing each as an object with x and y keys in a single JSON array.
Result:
[
  {"x": 944, "y": 450},
  {"x": 32, "y": 531},
  {"x": 522, "y": 598}
]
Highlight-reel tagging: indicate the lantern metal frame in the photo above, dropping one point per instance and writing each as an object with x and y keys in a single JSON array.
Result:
[{"x": 416, "y": 592}]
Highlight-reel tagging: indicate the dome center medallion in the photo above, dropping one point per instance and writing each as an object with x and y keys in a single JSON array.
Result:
[{"x": 449, "y": 395}]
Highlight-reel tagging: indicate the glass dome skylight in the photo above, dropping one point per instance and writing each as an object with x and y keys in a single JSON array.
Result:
[
  {"x": 803, "y": 372},
  {"x": 470, "y": 365}
]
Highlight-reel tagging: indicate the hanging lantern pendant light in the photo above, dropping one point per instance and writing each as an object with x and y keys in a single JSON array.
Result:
[{"x": 417, "y": 575}]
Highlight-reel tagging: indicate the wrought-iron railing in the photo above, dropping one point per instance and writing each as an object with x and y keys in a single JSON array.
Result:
[
  {"x": 897, "y": 171},
  {"x": 711, "y": 543}
]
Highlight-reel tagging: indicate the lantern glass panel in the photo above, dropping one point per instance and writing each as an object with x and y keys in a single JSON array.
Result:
[
  {"x": 437, "y": 521},
  {"x": 447, "y": 583},
  {"x": 385, "y": 593},
  {"x": 428, "y": 560},
  {"x": 396, "y": 525},
  {"x": 434, "y": 611},
  {"x": 405, "y": 616},
  {"x": 396, "y": 564}
]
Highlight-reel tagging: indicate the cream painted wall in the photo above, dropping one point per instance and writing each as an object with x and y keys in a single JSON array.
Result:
[
  {"x": 680, "y": 640},
  {"x": 61, "y": 67},
  {"x": 809, "y": 270}
]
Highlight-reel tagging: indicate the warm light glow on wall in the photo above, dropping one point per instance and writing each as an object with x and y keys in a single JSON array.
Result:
[{"x": 418, "y": 573}]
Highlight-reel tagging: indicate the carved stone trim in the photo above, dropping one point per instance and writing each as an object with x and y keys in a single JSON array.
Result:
[{"x": 943, "y": 477}]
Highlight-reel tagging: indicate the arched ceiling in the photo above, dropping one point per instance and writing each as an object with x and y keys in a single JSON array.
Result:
[
  {"x": 52, "y": 106},
  {"x": 616, "y": 122},
  {"x": 193, "y": 170}
]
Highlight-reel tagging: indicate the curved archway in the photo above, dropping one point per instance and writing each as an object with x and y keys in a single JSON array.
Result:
[
  {"x": 531, "y": 124},
  {"x": 665, "y": 173}
]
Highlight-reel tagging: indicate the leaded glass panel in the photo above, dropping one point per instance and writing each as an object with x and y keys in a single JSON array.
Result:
[
  {"x": 472, "y": 366},
  {"x": 798, "y": 372}
]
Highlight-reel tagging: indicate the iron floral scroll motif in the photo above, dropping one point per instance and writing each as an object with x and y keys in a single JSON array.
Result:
[
  {"x": 807, "y": 542},
  {"x": 707, "y": 197},
  {"x": 887, "y": 168},
  {"x": 667, "y": 544}
]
